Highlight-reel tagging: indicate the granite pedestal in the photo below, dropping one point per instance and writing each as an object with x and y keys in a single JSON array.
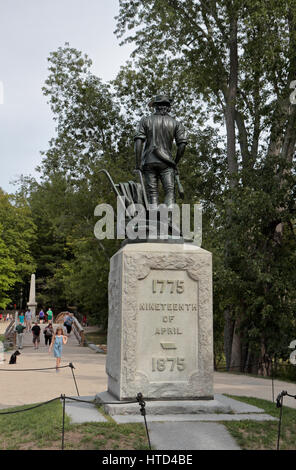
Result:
[{"x": 160, "y": 326}]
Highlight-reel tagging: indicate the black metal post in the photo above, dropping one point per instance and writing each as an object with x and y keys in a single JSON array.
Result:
[
  {"x": 272, "y": 382},
  {"x": 72, "y": 369},
  {"x": 280, "y": 424},
  {"x": 63, "y": 430},
  {"x": 143, "y": 413},
  {"x": 279, "y": 404}
]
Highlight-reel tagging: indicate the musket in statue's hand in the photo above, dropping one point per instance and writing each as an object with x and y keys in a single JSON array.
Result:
[{"x": 179, "y": 185}]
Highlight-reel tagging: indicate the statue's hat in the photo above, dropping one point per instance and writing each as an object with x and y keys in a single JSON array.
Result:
[{"x": 160, "y": 99}]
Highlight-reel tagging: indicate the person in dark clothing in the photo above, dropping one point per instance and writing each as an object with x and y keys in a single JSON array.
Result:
[
  {"x": 36, "y": 335},
  {"x": 48, "y": 333}
]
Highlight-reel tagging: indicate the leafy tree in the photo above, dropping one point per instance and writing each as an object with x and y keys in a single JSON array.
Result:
[
  {"x": 90, "y": 127},
  {"x": 7, "y": 273},
  {"x": 229, "y": 64},
  {"x": 17, "y": 236},
  {"x": 91, "y": 134},
  {"x": 231, "y": 61}
]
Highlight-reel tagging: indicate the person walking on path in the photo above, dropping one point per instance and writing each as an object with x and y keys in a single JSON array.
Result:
[
  {"x": 58, "y": 340},
  {"x": 28, "y": 320},
  {"x": 48, "y": 334},
  {"x": 68, "y": 323},
  {"x": 49, "y": 315},
  {"x": 36, "y": 335},
  {"x": 19, "y": 335},
  {"x": 21, "y": 318},
  {"x": 41, "y": 316}
]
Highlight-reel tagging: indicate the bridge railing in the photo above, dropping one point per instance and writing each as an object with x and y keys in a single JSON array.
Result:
[
  {"x": 78, "y": 331},
  {"x": 77, "y": 328},
  {"x": 10, "y": 333}
]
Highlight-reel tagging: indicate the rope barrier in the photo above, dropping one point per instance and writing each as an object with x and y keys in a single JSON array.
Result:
[
  {"x": 139, "y": 398},
  {"x": 31, "y": 408},
  {"x": 31, "y": 370},
  {"x": 63, "y": 397},
  {"x": 103, "y": 403},
  {"x": 49, "y": 368}
]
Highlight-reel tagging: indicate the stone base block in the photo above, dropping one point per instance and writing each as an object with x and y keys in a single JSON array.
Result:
[
  {"x": 160, "y": 325},
  {"x": 113, "y": 407}
]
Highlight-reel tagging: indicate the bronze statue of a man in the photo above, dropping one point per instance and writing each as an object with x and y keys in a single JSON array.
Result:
[{"x": 153, "y": 147}]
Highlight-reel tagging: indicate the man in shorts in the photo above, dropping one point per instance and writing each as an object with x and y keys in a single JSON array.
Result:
[{"x": 36, "y": 335}]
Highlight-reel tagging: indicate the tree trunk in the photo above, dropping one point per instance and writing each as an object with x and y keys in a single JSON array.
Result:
[
  {"x": 228, "y": 335},
  {"x": 230, "y": 108},
  {"x": 264, "y": 361},
  {"x": 231, "y": 343},
  {"x": 236, "y": 349}
]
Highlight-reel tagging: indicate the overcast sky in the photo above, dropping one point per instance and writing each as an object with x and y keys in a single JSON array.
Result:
[{"x": 29, "y": 31}]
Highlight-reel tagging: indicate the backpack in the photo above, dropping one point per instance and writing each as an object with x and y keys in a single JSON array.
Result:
[{"x": 19, "y": 328}]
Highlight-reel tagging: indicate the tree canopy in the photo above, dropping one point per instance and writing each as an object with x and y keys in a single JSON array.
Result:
[
  {"x": 229, "y": 65},
  {"x": 17, "y": 233}
]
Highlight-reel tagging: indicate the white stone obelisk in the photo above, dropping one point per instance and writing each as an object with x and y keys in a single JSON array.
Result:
[{"x": 32, "y": 304}]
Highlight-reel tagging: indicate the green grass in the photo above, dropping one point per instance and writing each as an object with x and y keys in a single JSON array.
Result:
[
  {"x": 40, "y": 426},
  {"x": 256, "y": 435},
  {"x": 42, "y": 429}
]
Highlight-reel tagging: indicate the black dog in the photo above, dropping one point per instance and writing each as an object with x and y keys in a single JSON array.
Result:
[{"x": 13, "y": 357}]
